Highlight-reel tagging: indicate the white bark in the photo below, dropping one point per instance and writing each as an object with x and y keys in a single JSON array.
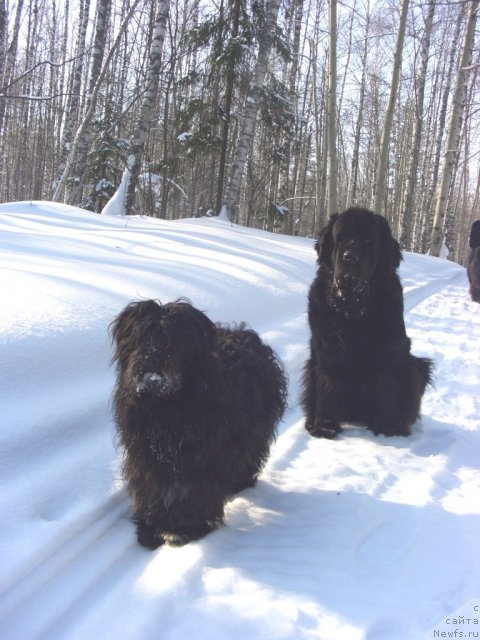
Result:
[
  {"x": 387, "y": 125},
  {"x": 71, "y": 117},
  {"x": 406, "y": 221},
  {"x": 332, "y": 110},
  {"x": 103, "y": 14},
  {"x": 250, "y": 112},
  {"x": 148, "y": 103},
  {"x": 93, "y": 101},
  {"x": 454, "y": 131},
  {"x": 352, "y": 185}
]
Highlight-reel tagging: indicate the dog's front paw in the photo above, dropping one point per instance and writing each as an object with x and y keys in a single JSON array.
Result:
[
  {"x": 181, "y": 538},
  {"x": 392, "y": 430},
  {"x": 177, "y": 539},
  {"x": 324, "y": 429},
  {"x": 149, "y": 538}
]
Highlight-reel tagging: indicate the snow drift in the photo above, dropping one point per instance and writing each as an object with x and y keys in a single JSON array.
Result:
[{"x": 362, "y": 538}]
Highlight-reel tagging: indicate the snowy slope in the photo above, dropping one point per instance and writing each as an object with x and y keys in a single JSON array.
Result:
[{"x": 362, "y": 538}]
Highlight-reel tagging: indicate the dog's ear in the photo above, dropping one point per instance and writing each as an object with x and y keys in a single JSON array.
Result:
[
  {"x": 124, "y": 328},
  {"x": 324, "y": 244},
  {"x": 127, "y": 320},
  {"x": 390, "y": 254}
]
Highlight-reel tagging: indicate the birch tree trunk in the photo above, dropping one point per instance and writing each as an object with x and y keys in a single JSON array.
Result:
[
  {"x": 71, "y": 117},
  {"x": 148, "y": 104},
  {"x": 230, "y": 80},
  {"x": 409, "y": 209},
  {"x": 446, "y": 87},
  {"x": 8, "y": 68},
  {"x": 103, "y": 12},
  {"x": 454, "y": 131},
  {"x": 93, "y": 101},
  {"x": 332, "y": 110},
  {"x": 289, "y": 174},
  {"x": 379, "y": 192},
  {"x": 250, "y": 112},
  {"x": 3, "y": 39},
  {"x": 352, "y": 185},
  {"x": 318, "y": 152}
]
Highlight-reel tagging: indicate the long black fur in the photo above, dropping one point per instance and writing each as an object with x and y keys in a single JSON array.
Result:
[
  {"x": 473, "y": 266},
  {"x": 196, "y": 406},
  {"x": 360, "y": 368}
]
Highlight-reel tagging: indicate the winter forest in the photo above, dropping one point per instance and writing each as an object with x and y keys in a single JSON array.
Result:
[{"x": 274, "y": 112}]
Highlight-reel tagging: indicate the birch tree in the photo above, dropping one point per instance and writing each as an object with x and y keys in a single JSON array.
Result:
[
  {"x": 102, "y": 17},
  {"x": 379, "y": 192},
  {"x": 331, "y": 109},
  {"x": 454, "y": 130},
  {"x": 227, "y": 110},
  {"x": 72, "y": 156},
  {"x": 408, "y": 211},
  {"x": 3, "y": 39},
  {"x": 446, "y": 84},
  {"x": 250, "y": 111},
  {"x": 352, "y": 185},
  {"x": 131, "y": 173},
  {"x": 73, "y": 109}
]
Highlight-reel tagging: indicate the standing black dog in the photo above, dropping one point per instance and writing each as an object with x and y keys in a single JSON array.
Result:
[
  {"x": 360, "y": 368},
  {"x": 473, "y": 267},
  {"x": 196, "y": 406}
]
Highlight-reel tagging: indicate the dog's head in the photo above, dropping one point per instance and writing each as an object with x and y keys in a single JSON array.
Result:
[
  {"x": 357, "y": 248},
  {"x": 157, "y": 345}
]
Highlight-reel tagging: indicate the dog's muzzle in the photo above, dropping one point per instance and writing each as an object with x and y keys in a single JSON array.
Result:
[{"x": 162, "y": 384}]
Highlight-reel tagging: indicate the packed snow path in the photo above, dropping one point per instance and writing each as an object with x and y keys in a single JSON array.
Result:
[{"x": 361, "y": 538}]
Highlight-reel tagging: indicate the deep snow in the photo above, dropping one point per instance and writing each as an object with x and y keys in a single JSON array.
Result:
[{"x": 362, "y": 538}]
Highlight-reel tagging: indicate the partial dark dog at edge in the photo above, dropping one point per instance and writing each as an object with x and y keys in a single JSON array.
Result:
[
  {"x": 473, "y": 267},
  {"x": 360, "y": 369},
  {"x": 196, "y": 406}
]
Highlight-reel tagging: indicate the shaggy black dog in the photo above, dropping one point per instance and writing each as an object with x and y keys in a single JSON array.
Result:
[
  {"x": 473, "y": 267},
  {"x": 360, "y": 368},
  {"x": 196, "y": 406}
]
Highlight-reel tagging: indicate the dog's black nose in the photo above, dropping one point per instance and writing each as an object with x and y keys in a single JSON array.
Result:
[{"x": 350, "y": 257}]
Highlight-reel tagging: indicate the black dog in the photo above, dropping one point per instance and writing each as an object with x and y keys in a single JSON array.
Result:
[
  {"x": 473, "y": 267},
  {"x": 196, "y": 406},
  {"x": 360, "y": 368}
]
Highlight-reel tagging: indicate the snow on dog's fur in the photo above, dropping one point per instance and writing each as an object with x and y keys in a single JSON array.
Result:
[
  {"x": 196, "y": 406},
  {"x": 360, "y": 368}
]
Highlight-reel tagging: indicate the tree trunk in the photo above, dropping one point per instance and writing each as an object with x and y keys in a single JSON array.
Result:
[
  {"x": 103, "y": 14},
  {"x": 3, "y": 40},
  {"x": 230, "y": 80},
  {"x": 71, "y": 117},
  {"x": 454, "y": 131},
  {"x": 318, "y": 152},
  {"x": 93, "y": 101},
  {"x": 409, "y": 213},
  {"x": 250, "y": 113},
  {"x": 379, "y": 193},
  {"x": 352, "y": 186},
  {"x": 446, "y": 87},
  {"x": 148, "y": 104},
  {"x": 332, "y": 110}
]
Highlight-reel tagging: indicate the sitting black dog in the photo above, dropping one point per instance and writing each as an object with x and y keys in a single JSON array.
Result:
[
  {"x": 360, "y": 368},
  {"x": 196, "y": 406},
  {"x": 473, "y": 267}
]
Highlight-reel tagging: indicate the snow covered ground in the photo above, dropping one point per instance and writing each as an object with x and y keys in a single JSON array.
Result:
[{"x": 362, "y": 538}]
